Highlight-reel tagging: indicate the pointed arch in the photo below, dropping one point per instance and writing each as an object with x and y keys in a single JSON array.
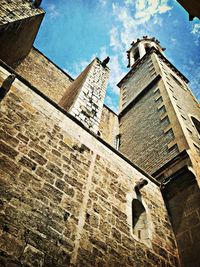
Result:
[{"x": 139, "y": 221}]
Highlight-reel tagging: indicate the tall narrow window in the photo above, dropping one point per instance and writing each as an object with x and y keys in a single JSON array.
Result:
[
  {"x": 196, "y": 124},
  {"x": 139, "y": 220},
  {"x": 136, "y": 54},
  {"x": 117, "y": 141},
  {"x": 147, "y": 47}
]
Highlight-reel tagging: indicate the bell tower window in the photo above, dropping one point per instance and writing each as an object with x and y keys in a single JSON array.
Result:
[
  {"x": 136, "y": 54},
  {"x": 147, "y": 47}
]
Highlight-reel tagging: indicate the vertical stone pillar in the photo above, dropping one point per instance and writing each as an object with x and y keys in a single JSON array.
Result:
[
  {"x": 131, "y": 58},
  {"x": 141, "y": 48},
  {"x": 85, "y": 97}
]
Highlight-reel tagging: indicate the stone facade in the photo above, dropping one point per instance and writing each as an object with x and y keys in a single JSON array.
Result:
[
  {"x": 159, "y": 129},
  {"x": 182, "y": 199},
  {"x": 146, "y": 119},
  {"x": 109, "y": 126},
  {"x": 144, "y": 74},
  {"x": 44, "y": 74},
  {"x": 14, "y": 10},
  {"x": 66, "y": 198},
  {"x": 192, "y": 7},
  {"x": 17, "y": 17}
]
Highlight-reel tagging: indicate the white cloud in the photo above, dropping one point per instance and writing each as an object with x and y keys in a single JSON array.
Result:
[
  {"x": 111, "y": 103},
  {"x": 145, "y": 9},
  {"x": 130, "y": 22},
  {"x": 196, "y": 29},
  {"x": 192, "y": 71},
  {"x": 128, "y": 2},
  {"x": 173, "y": 41},
  {"x": 103, "y": 53},
  {"x": 116, "y": 73},
  {"x": 115, "y": 41},
  {"x": 195, "y": 81},
  {"x": 157, "y": 20},
  {"x": 75, "y": 70},
  {"x": 128, "y": 27},
  {"x": 103, "y": 2},
  {"x": 52, "y": 11},
  {"x": 196, "y": 33}
]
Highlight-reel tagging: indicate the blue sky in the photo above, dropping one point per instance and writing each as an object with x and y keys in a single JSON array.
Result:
[{"x": 73, "y": 32}]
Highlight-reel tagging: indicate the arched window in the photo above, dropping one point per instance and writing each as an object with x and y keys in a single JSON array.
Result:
[
  {"x": 136, "y": 54},
  {"x": 117, "y": 141},
  {"x": 196, "y": 124},
  {"x": 139, "y": 221},
  {"x": 147, "y": 47}
]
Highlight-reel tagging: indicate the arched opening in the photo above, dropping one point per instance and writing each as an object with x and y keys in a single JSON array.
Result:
[
  {"x": 196, "y": 124},
  {"x": 136, "y": 54},
  {"x": 139, "y": 220},
  {"x": 117, "y": 141},
  {"x": 147, "y": 47}
]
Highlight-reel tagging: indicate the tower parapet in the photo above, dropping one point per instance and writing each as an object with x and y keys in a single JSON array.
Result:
[{"x": 140, "y": 47}]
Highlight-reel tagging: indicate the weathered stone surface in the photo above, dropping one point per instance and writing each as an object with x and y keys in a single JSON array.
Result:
[
  {"x": 44, "y": 75},
  {"x": 63, "y": 205},
  {"x": 26, "y": 162},
  {"x": 7, "y": 150},
  {"x": 32, "y": 257},
  {"x": 85, "y": 96}
]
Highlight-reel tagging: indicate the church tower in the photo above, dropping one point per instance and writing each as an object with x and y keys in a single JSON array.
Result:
[{"x": 160, "y": 131}]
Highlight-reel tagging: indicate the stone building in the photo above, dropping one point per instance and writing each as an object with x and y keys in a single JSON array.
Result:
[
  {"x": 81, "y": 185},
  {"x": 192, "y": 7}
]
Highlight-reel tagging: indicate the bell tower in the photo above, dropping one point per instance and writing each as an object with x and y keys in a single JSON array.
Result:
[
  {"x": 140, "y": 48},
  {"x": 159, "y": 128},
  {"x": 136, "y": 55}
]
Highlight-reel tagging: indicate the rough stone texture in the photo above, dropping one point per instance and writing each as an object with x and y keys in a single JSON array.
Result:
[
  {"x": 44, "y": 74},
  {"x": 66, "y": 197},
  {"x": 17, "y": 17},
  {"x": 109, "y": 126},
  {"x": 85, "y": 97},
  {"x": 159, "y": 124},
  {"x": 158, "y": 133},
  {"x": 144, "y": 73},
  {"x": 12, "y": 10},
  {"x": 141, "y": 129},
  {"x": 183, "y": 108},
  {"x": 183, "y": 197}
]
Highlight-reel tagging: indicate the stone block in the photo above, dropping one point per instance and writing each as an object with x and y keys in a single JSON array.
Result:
[
  {"x": 7, "y": 150},
  {"x": 32, "y": 257}
]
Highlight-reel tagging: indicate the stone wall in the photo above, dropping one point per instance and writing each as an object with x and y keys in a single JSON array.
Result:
[
  {"x": 14, "y": 10},
  {"x": 109, "y": 126},
  {"x": 193, "y": 8},
  {"x": 182, "y": 197},
  {"x": 138, "y": 78},
  {"x": 183, "y": 111},
  {"x": 183, "y": 101},
  {"x": 16, "y": 20},
  {"x": 45, "y": 75},
  {"x": 66, "y": 198},
  {"x": 143, "y": 136}
]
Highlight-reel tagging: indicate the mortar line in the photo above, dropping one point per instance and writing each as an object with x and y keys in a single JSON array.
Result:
[{"x": 83, "y": 209}]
